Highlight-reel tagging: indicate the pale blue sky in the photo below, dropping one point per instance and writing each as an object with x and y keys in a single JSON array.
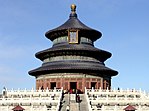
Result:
[{"x": 123, "y": 23}]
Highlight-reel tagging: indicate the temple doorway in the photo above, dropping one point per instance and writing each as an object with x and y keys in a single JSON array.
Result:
[
  {"x": 93, "y": 84},
  {"x": 73, "y": 85},
  {"x": 53, "y": 84}
]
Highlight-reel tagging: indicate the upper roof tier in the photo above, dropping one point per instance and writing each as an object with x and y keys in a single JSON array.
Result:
[
  {"x": 84, "y": 48},
  {"x": 73, "y": 23}
]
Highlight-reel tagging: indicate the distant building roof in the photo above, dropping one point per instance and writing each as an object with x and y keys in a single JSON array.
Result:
[
  {"x": 130, "y": 108},
  {"x": 18, "y": 108}
]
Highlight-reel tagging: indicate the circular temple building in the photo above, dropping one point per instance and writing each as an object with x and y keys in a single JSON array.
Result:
[{"x": 73, "y": 62}]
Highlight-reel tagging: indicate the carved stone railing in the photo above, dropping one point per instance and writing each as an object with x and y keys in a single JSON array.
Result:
[
  {"x": 31, "y": 99},
  {"x": 113, "y": 100}
]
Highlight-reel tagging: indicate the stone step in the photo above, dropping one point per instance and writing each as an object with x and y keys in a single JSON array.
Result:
[
  {"x": 83, "y": 103},
  {"x": 74, "y": 107}
]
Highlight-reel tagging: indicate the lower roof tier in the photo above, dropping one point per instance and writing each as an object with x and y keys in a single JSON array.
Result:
[
  {"x": 77, "y": 48},
  {"x": 73, "y": 66}
]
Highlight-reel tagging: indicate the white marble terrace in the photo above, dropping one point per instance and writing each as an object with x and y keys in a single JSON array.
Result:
[
  {"x": 31, "y": 100},
  {"x": 97, "y": 99},
  {"x": 116, "y": 100}
]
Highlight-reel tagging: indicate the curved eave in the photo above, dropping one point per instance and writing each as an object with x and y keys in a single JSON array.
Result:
[
  {"x": 76, "y": 48},
  {"x": 73, "y": 23},
  {"x": 63, "y": 66}
]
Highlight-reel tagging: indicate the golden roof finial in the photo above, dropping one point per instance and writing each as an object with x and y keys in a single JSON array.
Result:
[{"x": 73, "y": 8}]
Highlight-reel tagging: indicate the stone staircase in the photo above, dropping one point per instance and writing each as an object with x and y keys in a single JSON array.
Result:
[
  {"x": 83, "y": 103},
  {"x": 74, "y": 106},
  {"x": 64, "y": 102}
]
